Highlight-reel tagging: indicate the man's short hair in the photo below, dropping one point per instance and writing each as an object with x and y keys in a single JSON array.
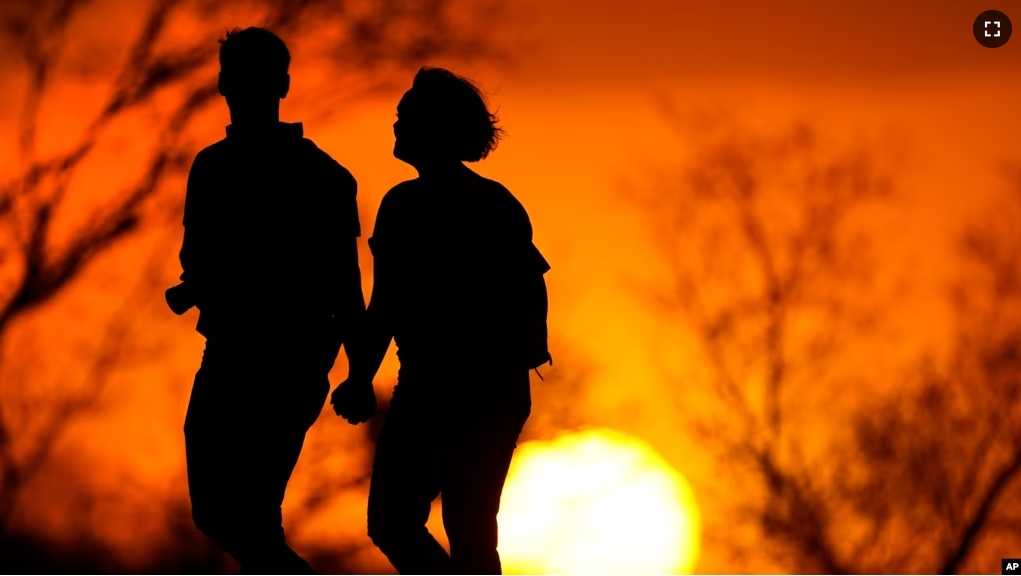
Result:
[
  {"x": 460, "y": 106},
  {"x": 254, "y": 52}
]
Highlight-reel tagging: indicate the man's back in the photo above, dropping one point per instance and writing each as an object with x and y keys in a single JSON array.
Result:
[{"x": 267, "y": 217}]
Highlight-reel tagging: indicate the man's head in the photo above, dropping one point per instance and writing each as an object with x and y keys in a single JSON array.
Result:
[
  {"x": 443, "y": 117},
  {"x": 253, "y": 68}
]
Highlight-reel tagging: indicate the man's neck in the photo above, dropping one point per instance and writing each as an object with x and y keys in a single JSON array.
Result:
[{"x": 255, "y": 118}]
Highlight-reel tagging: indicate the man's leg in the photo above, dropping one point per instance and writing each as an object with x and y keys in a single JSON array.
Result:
[
  {"x": 243, "y": 434},
  {"x": 478, "y": 451},
  {"x": 211, "y": 441},
  {"x": 273, "y": 450},
  {"x": 404, "y": 484}
]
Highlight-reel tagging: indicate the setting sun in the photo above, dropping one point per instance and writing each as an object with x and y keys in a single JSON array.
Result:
[{"x": 597, "y": 501}]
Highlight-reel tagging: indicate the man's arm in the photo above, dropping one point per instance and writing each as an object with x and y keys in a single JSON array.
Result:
[
  {"x": 182, "y": 297},
  {"x": 349, "y": 302},
  {"x": 354, "y": 399},
  {"x": 344, "y": 285},
  {"x": 366, "y": 346}
]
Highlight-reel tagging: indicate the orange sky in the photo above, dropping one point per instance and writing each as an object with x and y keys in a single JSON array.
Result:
[
  {"x": 818, "y": 41},
  {"x": 584, "y": 97}
]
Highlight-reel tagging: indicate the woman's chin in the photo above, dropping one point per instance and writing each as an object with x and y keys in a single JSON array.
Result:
[{"x": 403, "y": 156}]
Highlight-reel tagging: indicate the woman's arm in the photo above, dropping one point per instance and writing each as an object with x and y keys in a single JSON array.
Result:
[{"x": 366, "y": 351}]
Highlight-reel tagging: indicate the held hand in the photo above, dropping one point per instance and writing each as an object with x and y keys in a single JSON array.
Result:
[{"x": 354, "y": 401}]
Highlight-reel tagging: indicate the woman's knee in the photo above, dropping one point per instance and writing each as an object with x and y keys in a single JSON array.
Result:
[{"x": 467, "y": 531}]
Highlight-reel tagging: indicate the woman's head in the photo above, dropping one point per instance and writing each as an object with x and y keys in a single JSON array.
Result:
[{"x": 443, "y": 117}]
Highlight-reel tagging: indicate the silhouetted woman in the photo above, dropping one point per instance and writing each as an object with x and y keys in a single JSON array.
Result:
[{"x": 459, "y": 286}]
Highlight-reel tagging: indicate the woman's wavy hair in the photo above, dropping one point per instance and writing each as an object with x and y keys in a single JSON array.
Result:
[{"x": 457, "y": 105}]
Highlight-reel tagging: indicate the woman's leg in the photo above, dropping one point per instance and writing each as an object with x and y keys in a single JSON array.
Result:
[
  {"x": 404, "y": 484},
  {"x": 479, "y": 448}
]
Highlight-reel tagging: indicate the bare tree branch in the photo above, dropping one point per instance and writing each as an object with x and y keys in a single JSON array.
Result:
[{"x": 755, "y": 238}]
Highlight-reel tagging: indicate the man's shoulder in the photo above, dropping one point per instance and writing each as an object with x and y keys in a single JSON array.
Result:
[
  {"x": 209, "y": 165},
  {"x": 334, "y": 185},
  {"x": 325, "y": 163},
  {"x": 211, "y": 153}
]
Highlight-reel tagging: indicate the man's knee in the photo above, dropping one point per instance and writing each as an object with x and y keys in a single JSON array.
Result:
[
  {"x": 382, "y": 531},
  {"x": 212, "y": 522},
  {"x": 241, "y": 532},
  {"x": 221, "y": 522},
  {"x": 392, "y": 532}
]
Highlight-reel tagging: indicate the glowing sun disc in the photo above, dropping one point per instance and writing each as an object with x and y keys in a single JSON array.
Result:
[{"x": 597, "y": 501}]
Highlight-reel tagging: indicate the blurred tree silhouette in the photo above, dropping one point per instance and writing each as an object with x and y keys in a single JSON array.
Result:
[
  {"x": 765, "y": 266},
  {"x": 769, "y": 267},
  {"x": 163, "y": 71},
  {"x": 947, "y": 456}
]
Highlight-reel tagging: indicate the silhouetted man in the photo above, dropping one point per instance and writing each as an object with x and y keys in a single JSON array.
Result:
[
  {"x": 270, "y": 259},
  {"x": 459, "y": 286}
]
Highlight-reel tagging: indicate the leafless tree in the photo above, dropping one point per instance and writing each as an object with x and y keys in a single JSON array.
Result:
[
  {"x": 767, "y": 263},
  {"x": 769, "y": 271},
  {"x": 947, "y": 455},
  {"x": 45, "y": 243}
]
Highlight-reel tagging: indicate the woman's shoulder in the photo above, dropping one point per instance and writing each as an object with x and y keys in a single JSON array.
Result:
[
  {"x": 501, "y": 200},
  {"x": 399, "y": 193},
  {"x": 398, "y": 202}
]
